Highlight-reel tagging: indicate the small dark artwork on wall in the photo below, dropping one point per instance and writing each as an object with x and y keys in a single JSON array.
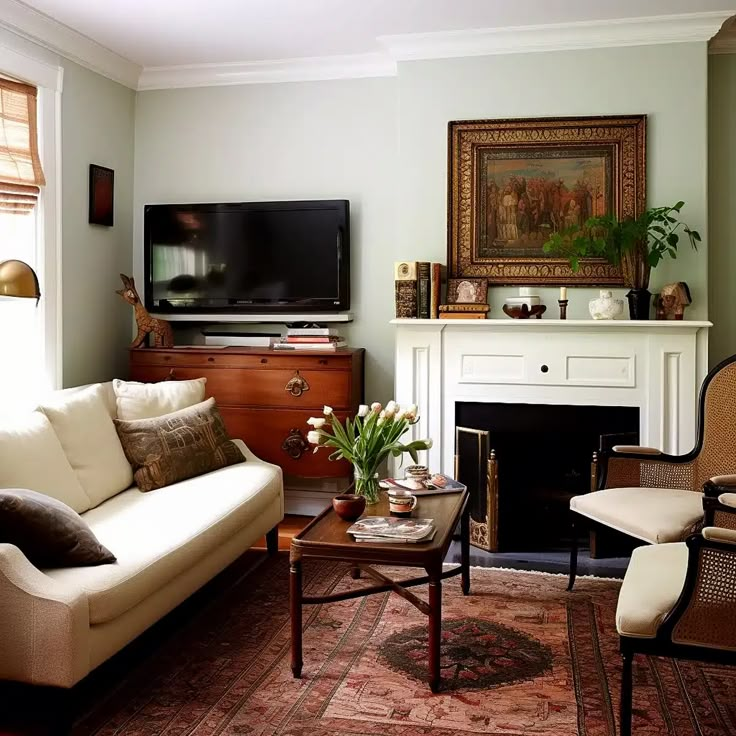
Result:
[
  {"x": 514, "y": 182},
  {"x": 101, "y": 191}
]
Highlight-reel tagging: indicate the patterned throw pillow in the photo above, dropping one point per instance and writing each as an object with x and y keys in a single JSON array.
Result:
[{"x": 186, "y": 443}]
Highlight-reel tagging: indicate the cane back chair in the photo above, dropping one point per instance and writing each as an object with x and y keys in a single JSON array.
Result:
[
  {"x": 658, "y": 498},
  {"x": 679, "y": 599}
]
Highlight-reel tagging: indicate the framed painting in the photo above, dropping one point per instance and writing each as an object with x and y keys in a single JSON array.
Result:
[
  {"x": 101, "y": 195},
  {"x": 513, "y": 182}
]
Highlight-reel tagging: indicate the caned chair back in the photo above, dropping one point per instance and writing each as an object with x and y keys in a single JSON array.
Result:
[{"x": 717, "y": 430}]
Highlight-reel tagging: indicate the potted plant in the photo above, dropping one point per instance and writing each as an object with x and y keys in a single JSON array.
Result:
[
  {"x": 636, "y": 244},
  {"x": 367, "y": 440}
]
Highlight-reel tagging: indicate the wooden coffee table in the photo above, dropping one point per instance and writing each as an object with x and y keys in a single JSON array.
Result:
[{"x": 326, "y": 538}]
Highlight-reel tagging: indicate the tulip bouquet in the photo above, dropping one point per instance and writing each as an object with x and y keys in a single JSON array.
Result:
[{"x": 367, "y": 440}]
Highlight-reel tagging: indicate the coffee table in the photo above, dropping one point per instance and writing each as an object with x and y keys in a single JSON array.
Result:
[{"x": 326, "y": 538}]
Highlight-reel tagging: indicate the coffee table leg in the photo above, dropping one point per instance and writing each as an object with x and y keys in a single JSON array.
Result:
[
  {"x": 295, "y": 607},
  {"x": 465, "y": 549},
  {"x": 435, "y": 630}
]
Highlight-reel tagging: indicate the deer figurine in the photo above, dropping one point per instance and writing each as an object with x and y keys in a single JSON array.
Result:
[{"x": 163, "y": 335}]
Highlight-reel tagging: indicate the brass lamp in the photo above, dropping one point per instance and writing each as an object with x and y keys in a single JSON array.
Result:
[{"x": 18, "y": 280}]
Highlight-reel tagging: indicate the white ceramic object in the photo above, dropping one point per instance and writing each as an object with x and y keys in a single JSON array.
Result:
[
  {"x": 605, "y": 306},
  {"x": 517, "y": 301}
]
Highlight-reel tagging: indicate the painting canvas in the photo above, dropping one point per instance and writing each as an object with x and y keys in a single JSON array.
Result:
[{"x": 514, "y": 182}]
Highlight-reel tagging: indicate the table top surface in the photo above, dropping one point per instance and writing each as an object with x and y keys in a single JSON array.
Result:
[{"x": 326, "y": 535}]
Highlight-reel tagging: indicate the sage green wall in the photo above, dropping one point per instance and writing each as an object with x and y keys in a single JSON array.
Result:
[
  {"x": 722, "y": 204},
  {"x": 667, "y": 82},
  {"x": 97, "y": 126}
]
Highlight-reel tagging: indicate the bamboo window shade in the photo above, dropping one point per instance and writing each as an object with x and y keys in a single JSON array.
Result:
[{"x": 21, "y": 175}]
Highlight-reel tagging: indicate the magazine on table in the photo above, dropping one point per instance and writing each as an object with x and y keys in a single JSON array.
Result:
[
  {"x": 392, "y": 529},
  {"x": 436, "y": 484}
]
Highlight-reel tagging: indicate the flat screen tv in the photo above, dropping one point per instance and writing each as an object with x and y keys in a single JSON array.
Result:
[{"x": 247, "y": 257}]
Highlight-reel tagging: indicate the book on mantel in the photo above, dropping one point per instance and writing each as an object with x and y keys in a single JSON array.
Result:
[{"x": 417, "y": 287}]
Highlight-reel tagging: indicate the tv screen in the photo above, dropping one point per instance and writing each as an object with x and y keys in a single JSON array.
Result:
[{"x": 247, "y": 257}]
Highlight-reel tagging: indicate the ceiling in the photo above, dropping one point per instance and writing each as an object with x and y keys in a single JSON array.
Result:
[{"x": 166, "y": 33}]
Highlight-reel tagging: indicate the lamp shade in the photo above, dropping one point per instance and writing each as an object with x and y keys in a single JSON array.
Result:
[{"x": 18, "y": 280}]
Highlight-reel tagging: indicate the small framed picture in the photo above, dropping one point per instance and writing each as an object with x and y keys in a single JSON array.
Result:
[
  {"x": 101, "y": 195},
  {"x": 467, "y": 291}
]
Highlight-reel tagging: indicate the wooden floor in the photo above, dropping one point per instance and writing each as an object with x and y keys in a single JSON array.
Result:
[{"x": 289, "y": 527}]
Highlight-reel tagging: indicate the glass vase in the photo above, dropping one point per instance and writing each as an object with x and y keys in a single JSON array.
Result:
[{"x": 366, "y": 485}]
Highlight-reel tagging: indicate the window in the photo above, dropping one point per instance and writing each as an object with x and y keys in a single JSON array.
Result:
[{"x": 23, "y": 367}]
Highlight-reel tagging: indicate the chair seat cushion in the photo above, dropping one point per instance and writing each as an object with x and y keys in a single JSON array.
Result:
[
  {"x": 655, "y": 515},
  {"x": 161, "y": 534},
  {"x": 651, "y": 587}
]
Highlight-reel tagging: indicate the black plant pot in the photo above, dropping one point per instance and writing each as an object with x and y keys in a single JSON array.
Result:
[{"x": 639, "y": 302}]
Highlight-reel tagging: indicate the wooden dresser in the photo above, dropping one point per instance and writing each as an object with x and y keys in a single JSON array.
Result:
[{"x": 265, "y": 397}]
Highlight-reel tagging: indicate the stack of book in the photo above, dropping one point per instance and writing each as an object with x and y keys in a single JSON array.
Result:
[
  {"x": 310, "y": 338},
  {"x": 392, "y": 530},
  {"x": 417, "y": 288}
]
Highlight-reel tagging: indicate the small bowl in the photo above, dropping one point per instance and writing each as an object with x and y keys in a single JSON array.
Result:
[{"x": 348, "y": 506}]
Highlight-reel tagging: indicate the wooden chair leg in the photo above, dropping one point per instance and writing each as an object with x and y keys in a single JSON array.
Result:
[
  {"x": 573, "y": 554},
  {"x": 627, "y": 687}
]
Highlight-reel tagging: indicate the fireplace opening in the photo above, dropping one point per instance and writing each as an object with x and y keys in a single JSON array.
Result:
[{"x": 541, "y": 457}]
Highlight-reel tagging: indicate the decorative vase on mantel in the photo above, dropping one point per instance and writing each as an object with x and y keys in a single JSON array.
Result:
[
  {"x": 366, "y": 440},
  {"x": 605, "y": 306}
]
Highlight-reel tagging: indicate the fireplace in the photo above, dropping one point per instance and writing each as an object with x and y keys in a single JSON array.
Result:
[{"x": 540, "y": 456}]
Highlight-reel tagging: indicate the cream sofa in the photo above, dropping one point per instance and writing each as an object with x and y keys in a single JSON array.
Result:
[{"x": 58, "y": 625}]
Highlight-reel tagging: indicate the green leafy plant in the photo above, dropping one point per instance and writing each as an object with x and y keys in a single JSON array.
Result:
[
  {"x": 636, "y": 244},
  {"x": 367, "y": 440}
]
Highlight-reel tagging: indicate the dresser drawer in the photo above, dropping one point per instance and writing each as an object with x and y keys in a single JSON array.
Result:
[
  {"x": 266, "y": 433},
  {"x": 290, "y": 388}
]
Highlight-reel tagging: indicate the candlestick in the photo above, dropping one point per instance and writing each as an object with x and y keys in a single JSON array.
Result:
[
  {"x": 563, "y": 293},
  {"x": 563, "y": 307}
]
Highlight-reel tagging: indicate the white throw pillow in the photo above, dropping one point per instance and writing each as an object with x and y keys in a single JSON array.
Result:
[
  {"x": 149, "y": 400},
  {"x": 32, "y": 457},
  {"x": 86, "y": 431}
]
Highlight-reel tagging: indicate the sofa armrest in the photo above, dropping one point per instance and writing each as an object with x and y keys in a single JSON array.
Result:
[
  {"x": 636, "y": 450},
  {"x": 719, "y": 485},
  {"x": 251, "y": 457},
  {"x": 44, "y": 625},
  {"x": 719, "y": 534}
]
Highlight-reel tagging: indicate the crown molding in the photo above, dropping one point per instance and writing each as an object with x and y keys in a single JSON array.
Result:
[
  {"x": 651, "y": 30},
  {"x": 28, "y": 23},
  {"x": 308, "y": 69}
]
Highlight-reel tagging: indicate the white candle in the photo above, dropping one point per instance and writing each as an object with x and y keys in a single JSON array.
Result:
[
  {"x": 563, "y": 293},
  {"x": 525, "y": 291}
]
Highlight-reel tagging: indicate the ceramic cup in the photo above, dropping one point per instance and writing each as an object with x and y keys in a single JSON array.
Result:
[
  {"x": 401, "y": 503},
  {"x": 348, "y": 506}
]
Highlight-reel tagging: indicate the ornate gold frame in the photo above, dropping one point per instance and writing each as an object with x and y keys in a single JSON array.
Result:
[{"x": 624, "y": 136}]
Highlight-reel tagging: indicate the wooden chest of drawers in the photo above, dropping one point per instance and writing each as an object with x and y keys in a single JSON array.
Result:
[{"x": 266, "y": 396}]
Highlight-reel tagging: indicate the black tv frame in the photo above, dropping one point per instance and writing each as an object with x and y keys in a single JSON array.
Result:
[{"x": 342, "y": 206}]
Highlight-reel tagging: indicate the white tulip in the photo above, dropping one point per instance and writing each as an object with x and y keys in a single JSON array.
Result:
[
  {"x": 412, "y": 409},
  {"x": 392, "y": 406},
  {"x": 363, "y": 410},
  {"x": 376, "y": 407},
  {"x": 317, "y": 422},
  {"x": 382, "y": 415},
  {"x": 428, "y": 442},
  {"x": 327, "y": 410},
  {"x": 389, "y": 413},
  {"x": 313, "y": 437},
  {"x": 380, "y": 421},
  {"x": 400, "y": 415}
]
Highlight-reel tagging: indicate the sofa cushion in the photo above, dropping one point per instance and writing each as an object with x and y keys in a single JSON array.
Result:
[
  {"x": 651, "y": 587},
  {"x": 31, "y": 456},
  {"x": 159, "y": 535},
  {"x": 655, "y": 515},
  {"x": 146, "y": 400},
  {"x": 87, "y": 433},
  {"x": 47, "y": 531},
  {"x": 183, "y": 444},
  {"x": 108, "y": 395}
]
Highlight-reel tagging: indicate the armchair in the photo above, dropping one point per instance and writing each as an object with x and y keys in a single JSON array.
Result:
[
  {"x": 659, "y": 498},
  {"x": 679, "y": 600}
]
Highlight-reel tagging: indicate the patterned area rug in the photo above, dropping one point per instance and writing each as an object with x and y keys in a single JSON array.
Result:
[{"x": 519, "y": 656}]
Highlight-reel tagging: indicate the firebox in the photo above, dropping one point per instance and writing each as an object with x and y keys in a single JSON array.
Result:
[{"x": 523, "y": 463}]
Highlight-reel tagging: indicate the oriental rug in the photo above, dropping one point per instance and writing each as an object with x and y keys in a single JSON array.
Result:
[{"x": 520, "y": 655}]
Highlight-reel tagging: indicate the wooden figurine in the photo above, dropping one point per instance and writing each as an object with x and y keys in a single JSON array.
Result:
[
  {"x": 672, "y": 301},
  {"x": 163, "y": 335}
]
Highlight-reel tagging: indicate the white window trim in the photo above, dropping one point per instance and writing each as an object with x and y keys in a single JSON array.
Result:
[{"x": 48, "y": 78}]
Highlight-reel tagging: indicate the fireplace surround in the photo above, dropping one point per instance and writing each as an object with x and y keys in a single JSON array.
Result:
[{"x": 655, "y": 367}]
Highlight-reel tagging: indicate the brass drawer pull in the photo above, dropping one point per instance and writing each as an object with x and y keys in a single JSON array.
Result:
[
  {"x": 295, "y": 445},
  {"x": 171, "y": 376},
  {"x": 297, "y": 385}
]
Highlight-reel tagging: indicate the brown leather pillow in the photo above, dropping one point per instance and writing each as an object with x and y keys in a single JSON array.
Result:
[
  {"x": 186, "y": 443},
  {"x": 47, "y": 531}
]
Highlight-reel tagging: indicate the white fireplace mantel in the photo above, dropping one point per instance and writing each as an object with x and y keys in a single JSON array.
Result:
[{"x": 657, "y": 366}]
